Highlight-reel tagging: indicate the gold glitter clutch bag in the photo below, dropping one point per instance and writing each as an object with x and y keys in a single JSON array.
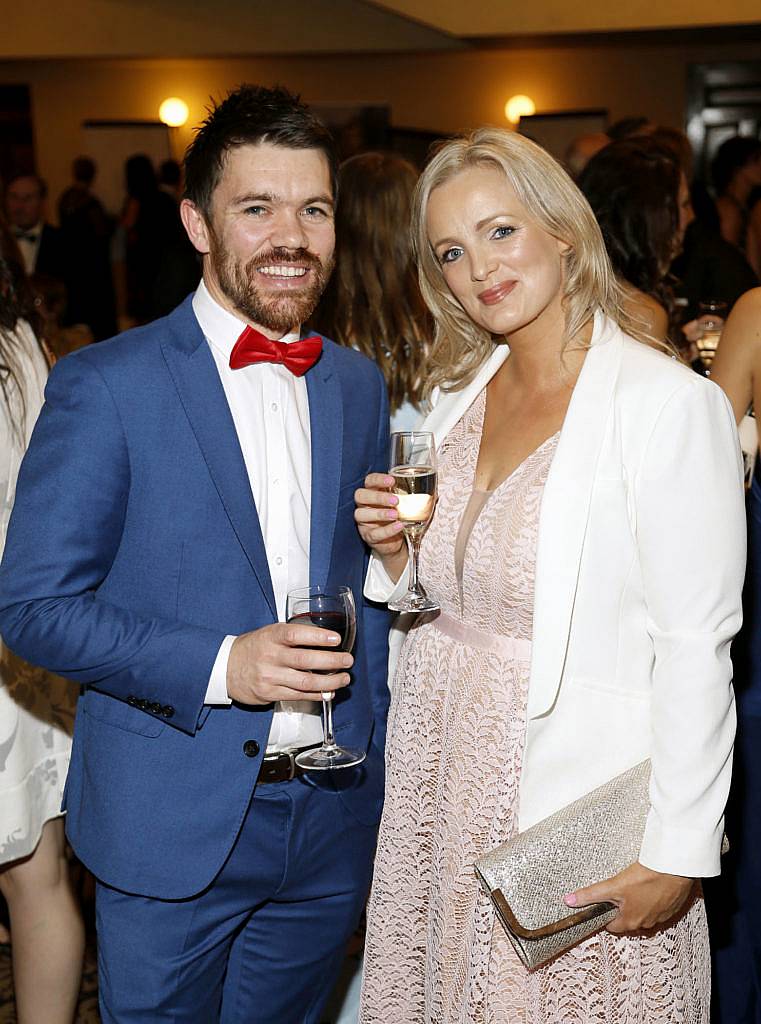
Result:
[{"x": 591, "y": 839}]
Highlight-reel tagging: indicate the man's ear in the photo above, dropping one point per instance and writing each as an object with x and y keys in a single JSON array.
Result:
[{"x": 195, "y": 225}]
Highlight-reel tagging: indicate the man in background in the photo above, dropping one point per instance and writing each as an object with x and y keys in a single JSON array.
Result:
[
  {"x": 86, "y": 233},
  {"x": 40, "y": 243}
]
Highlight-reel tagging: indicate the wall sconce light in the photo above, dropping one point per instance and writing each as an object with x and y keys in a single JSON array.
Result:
[
  {"x": 174, "y": 112},
  {"x": 518, "y": 107}
]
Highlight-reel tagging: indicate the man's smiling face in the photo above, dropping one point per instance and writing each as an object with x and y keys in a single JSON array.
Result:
[{"x": 269, "y": 237}]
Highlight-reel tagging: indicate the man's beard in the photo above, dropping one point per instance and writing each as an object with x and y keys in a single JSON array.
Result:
[{"x": 274, "y": 312}]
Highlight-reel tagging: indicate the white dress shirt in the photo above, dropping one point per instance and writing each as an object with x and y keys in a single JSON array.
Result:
[
  {"x": 270, "y": 409},
  {"x": 29, "y": 245}
]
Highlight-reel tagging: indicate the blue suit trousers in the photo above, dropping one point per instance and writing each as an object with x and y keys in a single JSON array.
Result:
[{"x": 265, "y": 942}]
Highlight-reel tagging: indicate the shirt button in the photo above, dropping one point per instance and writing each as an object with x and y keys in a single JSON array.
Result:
[
  {"x": 274, "y": 407},
  {"x": 278, "y": 560}
]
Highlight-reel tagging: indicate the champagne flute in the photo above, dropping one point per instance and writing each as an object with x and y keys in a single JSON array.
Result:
[
  {"x": 711, "y": 316},
  {"x": 329, "y": 608},
  {"x": 413, "y": 467}
]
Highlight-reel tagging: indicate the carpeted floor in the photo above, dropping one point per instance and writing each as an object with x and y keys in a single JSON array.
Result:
[{"x": 88, "y": 997}]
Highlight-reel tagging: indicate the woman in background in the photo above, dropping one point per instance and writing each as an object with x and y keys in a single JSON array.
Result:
[
  {"x": 373, "y": 303},
  {"x": 736, "y": 172},
  {"x": 734, "y": 900},
  {"x": 641, "y": 200},
  {"x": 36, "y": 720},
  {"x": 373, "y": 300}
]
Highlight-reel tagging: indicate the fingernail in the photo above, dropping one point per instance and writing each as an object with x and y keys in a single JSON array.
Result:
[
  {"x": 391, "y": 513},
  {"x": 389, "y": 481},
  {"x": 394, "y": 499},
  {"x": 334, "y": 638},
  {"x": 570, "y": 899}
]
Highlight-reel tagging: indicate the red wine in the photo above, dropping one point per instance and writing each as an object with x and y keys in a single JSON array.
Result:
[{"x": 338, "y": 621}]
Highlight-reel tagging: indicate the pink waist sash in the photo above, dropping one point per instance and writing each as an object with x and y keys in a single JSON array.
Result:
[{"x": 514, "y": 648}]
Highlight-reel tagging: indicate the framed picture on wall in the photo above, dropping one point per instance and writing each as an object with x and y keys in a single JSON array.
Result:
[{"x": 555, "y": 131}]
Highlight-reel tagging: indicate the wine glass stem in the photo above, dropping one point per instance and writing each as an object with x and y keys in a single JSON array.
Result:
[
  {"x": 328, "y": 739},
  {"x": 413, "y": 539}
]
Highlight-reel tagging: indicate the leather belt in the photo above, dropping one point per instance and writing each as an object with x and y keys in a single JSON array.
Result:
[{"x": 281, "y": 766}]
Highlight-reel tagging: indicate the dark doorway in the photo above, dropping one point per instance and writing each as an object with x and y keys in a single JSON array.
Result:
[
  {"x": 16, "y": 136},
  {"x": 723, "y": 99}
]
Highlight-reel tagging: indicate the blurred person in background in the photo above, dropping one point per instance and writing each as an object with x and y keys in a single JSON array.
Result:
[
  {"x": 736, "y": 172},
  {"x": 582, "y": 149},
  {"x": 733, "y": 901},
  {"x": 170, "y": 179},
  {"x": 86, "y": 232},
  {"x": 151, "y": 221},
  {"x": 36, "y": 719},
  {"x": 40, "y": 244},
  {"x": 373, "y": 301},
  {"x": 642, "y": 203},
  {"x": 708, "y": 267},
  {"x": 50, "y": 303},
  {"x": 630, "y": 127}
]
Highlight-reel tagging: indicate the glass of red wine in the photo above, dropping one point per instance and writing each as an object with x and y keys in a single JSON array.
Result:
[{"x": 328, "y": 608}]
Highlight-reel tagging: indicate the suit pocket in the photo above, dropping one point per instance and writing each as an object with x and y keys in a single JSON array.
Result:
[{"x": 119, "y": 714}]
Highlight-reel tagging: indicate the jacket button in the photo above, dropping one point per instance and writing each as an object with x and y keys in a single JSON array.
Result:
[
  {"x": 167, "y": 711},
  {"x": 155, "y": 709},
  {"x": 250, "y": 748}
]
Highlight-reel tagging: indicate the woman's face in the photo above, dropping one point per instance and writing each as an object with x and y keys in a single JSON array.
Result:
[{"x": 503, "y": 268}]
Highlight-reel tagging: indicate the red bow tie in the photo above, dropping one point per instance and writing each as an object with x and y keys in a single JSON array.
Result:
[{"x": 253, "y": 347}]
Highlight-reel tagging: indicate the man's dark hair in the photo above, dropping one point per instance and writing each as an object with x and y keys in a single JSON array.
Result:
[
  {"x": 731, "y": 156},
  {"x": 40, "y": 182},
  {"x": 628, "y": 126},
  {"x": 170, "y": 173},
  {"x": 84, "y": 170},
  {"x": 251, "y": 114}
]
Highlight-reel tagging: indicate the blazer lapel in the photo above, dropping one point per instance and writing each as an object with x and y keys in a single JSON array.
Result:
[
  {"x": 327, "y": 430},
  {"x": 565, "y": 511},
  {"x": 191, "y": 365},
  {"x": 451, "y": 406}
]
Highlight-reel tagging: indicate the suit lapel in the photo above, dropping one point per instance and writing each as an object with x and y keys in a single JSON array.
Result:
[
  {"x": 565, "y": 513},
  {"x": 192, "y": 367},
  {"x": 327, "y": 441}
]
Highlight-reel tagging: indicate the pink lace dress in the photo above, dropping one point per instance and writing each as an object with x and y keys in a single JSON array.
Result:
[{"x": 435, "y": 953}]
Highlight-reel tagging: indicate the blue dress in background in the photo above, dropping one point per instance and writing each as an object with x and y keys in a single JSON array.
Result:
[{"x": 733, "y": 900}]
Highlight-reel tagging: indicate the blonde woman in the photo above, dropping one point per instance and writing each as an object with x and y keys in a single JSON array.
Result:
[{"x": 587, "y": 611}]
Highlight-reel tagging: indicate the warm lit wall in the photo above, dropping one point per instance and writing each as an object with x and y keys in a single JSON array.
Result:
[{"x": 441, "y": 92}]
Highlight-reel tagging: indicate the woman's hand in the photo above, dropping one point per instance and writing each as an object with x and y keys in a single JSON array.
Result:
[
  {"x": 645, "y": 898},
  {"x": 378, "y": 522}
]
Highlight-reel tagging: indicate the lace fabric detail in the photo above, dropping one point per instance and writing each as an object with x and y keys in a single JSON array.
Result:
[{"x": 435, "y": 953}]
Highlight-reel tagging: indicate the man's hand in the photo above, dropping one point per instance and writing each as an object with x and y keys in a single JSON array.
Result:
[
  {"x": 275, "y": 663},
  {"x": 644, "y": 898}
]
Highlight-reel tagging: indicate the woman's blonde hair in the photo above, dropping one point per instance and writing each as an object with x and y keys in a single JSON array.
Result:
[{"x": 550, "y": 198}]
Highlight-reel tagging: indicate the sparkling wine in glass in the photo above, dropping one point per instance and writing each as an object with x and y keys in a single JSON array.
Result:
[
  {"x": 711, "y": 316},
  {"x": 413, "y": 467},
  {"x": 327, "y": 608}
]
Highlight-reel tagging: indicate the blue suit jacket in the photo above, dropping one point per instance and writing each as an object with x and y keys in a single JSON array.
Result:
[{"x": 134, "y": 548}]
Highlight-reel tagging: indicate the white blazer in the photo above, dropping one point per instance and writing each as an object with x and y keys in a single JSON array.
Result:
[{"x": 639, "y": 571}]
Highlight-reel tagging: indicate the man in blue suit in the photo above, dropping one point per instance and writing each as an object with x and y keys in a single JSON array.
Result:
[{"x": 181, "y": 479}]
